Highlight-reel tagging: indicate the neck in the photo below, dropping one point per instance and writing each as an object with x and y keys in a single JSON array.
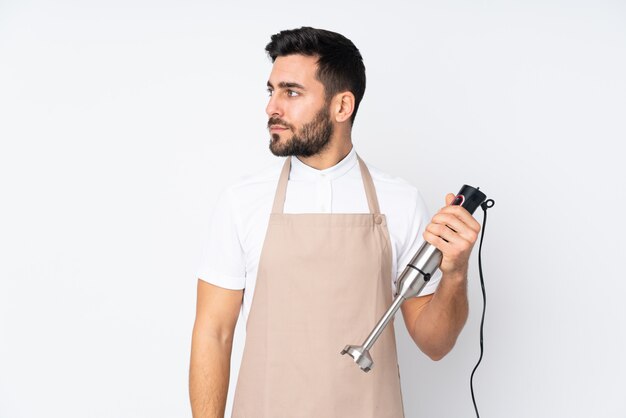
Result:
[{"x": 330, "y": 156}]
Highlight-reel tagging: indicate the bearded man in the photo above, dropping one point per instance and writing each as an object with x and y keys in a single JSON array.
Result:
[{"x": 309, "y": 251}]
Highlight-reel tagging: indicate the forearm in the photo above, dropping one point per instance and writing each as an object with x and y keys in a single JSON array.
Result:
[
  {"x": 436, "y": 328},
  {"x": 209, "y": 374}
]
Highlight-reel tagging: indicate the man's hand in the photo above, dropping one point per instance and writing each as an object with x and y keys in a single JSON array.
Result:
[
  {"x": 435, "y": 321},
  {"x": 453, "y": 230}
]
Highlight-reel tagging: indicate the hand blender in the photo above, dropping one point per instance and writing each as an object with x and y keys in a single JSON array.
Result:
[{"x": 412, "y": 280}]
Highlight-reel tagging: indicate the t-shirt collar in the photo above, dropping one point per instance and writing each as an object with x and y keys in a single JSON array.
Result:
[{"x": 303, "y": 172}]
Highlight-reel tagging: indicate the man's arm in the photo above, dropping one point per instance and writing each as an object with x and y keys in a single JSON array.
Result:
[
  {"x": 217, "y": 310},
  {"x": 435, "y": 321}
]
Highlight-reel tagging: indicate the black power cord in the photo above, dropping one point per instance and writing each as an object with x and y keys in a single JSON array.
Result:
[{"x": 485, "y": 205}]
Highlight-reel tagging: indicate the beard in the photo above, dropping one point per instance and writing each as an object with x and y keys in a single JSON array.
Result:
[{"x": 309, "y": 140}]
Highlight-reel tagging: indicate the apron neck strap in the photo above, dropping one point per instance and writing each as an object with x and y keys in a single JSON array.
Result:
[
  {"x": 370, "y": 190},
  {"x": 368, "y": 183},
  {"x": 281, "y": 189}
]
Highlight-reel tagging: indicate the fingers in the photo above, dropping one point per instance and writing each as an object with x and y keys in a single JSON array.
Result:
[
  {"x": 456, "y": 225},
  {"x": 456, "y": 250},
  {"x": 448, "y": 235},
  {"x": 434, "y": 239},
  {"x": 461, "y": 213},
  {"x": 453, "y": 230},
  {"x": 452, "y": 225}
]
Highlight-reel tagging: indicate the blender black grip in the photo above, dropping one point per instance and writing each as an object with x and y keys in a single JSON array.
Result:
[{"x": 470, "y": 198}]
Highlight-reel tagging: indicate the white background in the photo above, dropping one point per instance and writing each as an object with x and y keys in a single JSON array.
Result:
[{"x": 120, "y": 122}]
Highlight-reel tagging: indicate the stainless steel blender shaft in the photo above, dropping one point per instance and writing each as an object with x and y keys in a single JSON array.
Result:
[
  {"x": 410, "y": 283},
  {"x": 412, "y": 280}
]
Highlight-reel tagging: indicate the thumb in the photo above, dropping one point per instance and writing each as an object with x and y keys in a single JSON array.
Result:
[{"x": 450, "y": 198}]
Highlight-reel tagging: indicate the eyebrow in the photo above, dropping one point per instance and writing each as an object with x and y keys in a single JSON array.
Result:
[{"x": 287, "y": 85}]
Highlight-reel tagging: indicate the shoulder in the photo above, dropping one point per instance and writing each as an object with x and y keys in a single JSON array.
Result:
[
  {"x": 266, "y": 175},
  {"x": 250, "y": 196},
  {"x": 395, "y": 192},
  {"x": 251, "y": 185}
]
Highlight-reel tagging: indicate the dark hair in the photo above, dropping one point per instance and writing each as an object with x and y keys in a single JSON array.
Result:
[{"x": 339, "y": 66}]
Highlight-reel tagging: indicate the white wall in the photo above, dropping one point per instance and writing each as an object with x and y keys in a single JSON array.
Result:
[{"x": 120, "y": 121}]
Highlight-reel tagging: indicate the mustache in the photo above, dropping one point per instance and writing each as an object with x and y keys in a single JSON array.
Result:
[{"x": 278, "y": 121}]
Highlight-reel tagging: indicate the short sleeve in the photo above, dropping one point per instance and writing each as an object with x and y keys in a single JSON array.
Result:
[
  {"x": 221, "y": 260},
  {"x": 420, "y": 218}
]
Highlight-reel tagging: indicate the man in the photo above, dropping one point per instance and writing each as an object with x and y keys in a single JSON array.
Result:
[{"x": 312, "y": 257}]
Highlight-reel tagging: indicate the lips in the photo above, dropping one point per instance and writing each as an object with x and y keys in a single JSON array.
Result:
[{"x": 275, "y": 124}]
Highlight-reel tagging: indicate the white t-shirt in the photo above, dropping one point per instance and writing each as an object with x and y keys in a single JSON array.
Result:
[{"x": 237, "y": 230}]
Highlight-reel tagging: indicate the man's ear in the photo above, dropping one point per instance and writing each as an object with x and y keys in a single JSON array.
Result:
[{"x": 343, "y": 106}]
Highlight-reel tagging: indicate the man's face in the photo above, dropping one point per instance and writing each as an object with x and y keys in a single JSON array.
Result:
[{"x": 299, "y": 118}]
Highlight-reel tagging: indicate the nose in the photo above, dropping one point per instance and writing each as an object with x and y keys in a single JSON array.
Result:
[{"x": 273, "y": 107}]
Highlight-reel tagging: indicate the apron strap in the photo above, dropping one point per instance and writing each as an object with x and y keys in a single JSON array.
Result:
[
  {"x": 281, "y": 189},
  {"x": 368, "y": 183},
  {"x": 370, "y": 190}
]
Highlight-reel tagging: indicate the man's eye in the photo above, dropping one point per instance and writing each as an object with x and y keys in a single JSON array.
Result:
[
  {"x": 269, "y": 92},
  {"x": 292, "y": 93}
]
